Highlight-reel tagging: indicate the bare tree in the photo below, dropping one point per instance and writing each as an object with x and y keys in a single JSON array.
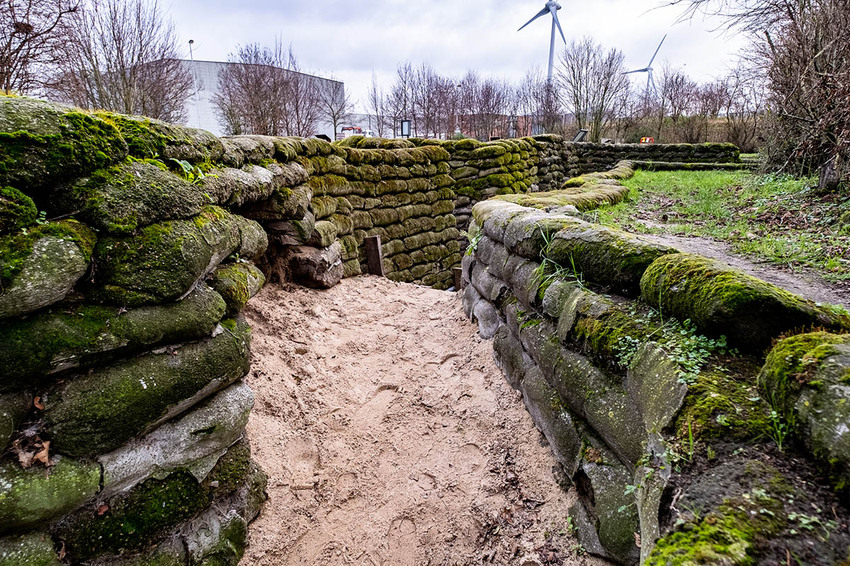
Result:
[
  {"x": 264, "y": 92},
  {"x": 400, "y": 102},
  {"x": 122, "y": 55},
  {"x": 377, "y": 106},
  {"x": 336, "y": 106},
  {"x": 592, "y": 79},
  {"x": 28, "y": 40}
]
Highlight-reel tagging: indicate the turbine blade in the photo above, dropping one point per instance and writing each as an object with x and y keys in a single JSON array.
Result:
[
  {"x": 557, "y": 23},
  {"x": 657, "y": 50},
  {"x": 542, "y": 12},
  {"x": 636, "y": 71}
]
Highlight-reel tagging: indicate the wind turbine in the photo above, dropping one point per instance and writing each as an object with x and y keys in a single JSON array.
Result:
[
  {"x": 648, "y": 69},
  {"x": 551, "y": 7}
]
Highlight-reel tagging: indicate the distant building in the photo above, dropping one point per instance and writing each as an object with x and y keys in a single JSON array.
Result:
[{"x": 201, "y": 113}]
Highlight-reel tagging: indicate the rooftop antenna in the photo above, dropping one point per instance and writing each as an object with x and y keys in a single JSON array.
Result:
[
  {"x": 650, "y": 81},
  {"x": 551, "y": 7},
  {"x": 195, "y": 82}
]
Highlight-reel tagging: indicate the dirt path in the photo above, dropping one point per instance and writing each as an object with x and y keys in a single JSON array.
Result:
[{"x": 391, "y": 438}]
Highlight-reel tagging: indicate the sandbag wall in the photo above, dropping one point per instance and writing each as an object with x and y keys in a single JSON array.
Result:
[
  {"x": 122, "y": 350},
  {"x": 675, "y": 461},
  {"x": 391, "y": 189}
]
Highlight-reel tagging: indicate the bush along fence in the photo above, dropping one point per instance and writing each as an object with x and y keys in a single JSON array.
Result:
[
  {"x": 645, "y": 370},
  {"x": 128, "y": 248}
]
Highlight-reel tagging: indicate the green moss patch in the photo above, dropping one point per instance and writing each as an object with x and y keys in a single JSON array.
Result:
[
  {"x": 33, "y": 496},
  {"x": 17, "y": 210},
  {"x": 43, "y": 145},
  {"x": 237, "y": 283}
]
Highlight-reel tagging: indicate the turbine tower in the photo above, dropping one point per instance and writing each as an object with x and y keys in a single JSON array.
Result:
[
  {"x": 648, "y": 69},
  {"x": 551, "y": 7}
]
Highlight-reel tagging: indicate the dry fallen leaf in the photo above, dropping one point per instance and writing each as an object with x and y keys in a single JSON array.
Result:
[
  {"x": 102, "y": 508},
  {"x": 25, "y": 458},
  {"x": 62, "y": 552},
  {"x": 43, "y": 455},
  {"x": 38, "y": 404},
  {"x": 637, "y": 540}
]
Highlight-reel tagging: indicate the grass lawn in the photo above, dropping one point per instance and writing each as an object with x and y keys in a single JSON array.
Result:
[{"x": 773, "y": 218}]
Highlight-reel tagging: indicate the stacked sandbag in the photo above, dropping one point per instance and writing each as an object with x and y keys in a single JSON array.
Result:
[
  {"x": 482, "y": 170},
  {"x": 400, "y": 191},
  {"x": 122, "y": 348},
  {"x": 674, "y": 462}
]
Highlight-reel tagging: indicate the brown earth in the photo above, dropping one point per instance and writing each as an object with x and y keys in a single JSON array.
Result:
[{"x": 391, "y": 438}]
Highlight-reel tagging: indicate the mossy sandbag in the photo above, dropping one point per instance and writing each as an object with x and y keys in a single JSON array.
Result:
[
  {"x": 40, "y": 266},
  {"x": 237, "y": 283},
  {"x": 722, "y": 300},
  {"x": 123, "y": 198},
  {"x": 606, "y": 256},
  {"x": 74, "y": 335},
  {"x": 13, "y": 409},
  {"x": 33, "y": 496},
  {"x": 44, "y": 144},
  {"x": 135, "y": 518},
  {"x": 147, "y": 137},
  {"x": 806, "y": 378},
  {"x": 162, "y": 262},
  {"x": 98, "y": 412}
]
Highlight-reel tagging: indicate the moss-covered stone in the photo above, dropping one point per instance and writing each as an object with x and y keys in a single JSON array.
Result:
[
  {"x": 75, "y": 335},
  {"x": 806, "y": 378},
  {"x": 123, "y": 198},
  {"x": 237, "y": 283},
  {"x": 40, "y": 266},
  {"x": 43, "y": 145},
  {"x": 17, "y": 210},
  {"x": 35, "y": 495},
  {"x": 34, "y": 549},
  {"x": 722, "y": 300},
  {"x": 99, "y": 411},
  {"x": 720, "y": 406},
  {"x": 162, "y": 262},
  {"x": 147, "y": 137}
]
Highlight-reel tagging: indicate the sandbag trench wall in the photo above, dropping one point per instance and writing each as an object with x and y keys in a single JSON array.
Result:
[
  {"x": 674, "y": 462},
  {"x": 482, "y": 170}
]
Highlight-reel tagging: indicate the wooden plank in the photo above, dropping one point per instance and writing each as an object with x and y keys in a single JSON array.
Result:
[
  {"x": 374, "y": 255},
  {"x": 458, "y": 274}
]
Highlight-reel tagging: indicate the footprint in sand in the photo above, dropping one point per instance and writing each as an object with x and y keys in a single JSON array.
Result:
[{"x": 302, "y": 456}]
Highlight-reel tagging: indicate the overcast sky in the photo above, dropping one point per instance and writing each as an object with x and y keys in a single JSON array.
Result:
[{"x": 351, "y": 38}]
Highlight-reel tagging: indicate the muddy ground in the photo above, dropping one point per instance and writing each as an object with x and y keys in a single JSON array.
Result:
[{"x": 391, "y": 438}]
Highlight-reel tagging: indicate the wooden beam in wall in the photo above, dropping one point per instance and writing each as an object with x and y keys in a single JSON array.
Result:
[{"x": 374, "y": 255}]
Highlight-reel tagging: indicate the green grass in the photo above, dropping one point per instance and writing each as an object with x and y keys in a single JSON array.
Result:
[{"x": 775, "y": 218}]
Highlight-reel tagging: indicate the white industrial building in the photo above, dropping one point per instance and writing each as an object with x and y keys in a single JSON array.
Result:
[{"x": 201, "y": 113}]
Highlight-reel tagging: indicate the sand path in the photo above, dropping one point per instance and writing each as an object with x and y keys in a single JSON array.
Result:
[{"x": 391, "y": 438}]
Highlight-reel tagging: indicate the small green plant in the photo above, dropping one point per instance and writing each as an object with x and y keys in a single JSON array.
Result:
[
  {"x": 192, "y": 173},
  {"x": 823, "y": 528},
  {"x": 42, "y": 218},
  {"x": 473, "y": 241},
  {"x": 548, "y": 271},
  {"x": 625, "y": 350},
  {"x": 692, "y": 350},
  {"x": 691, "y": 443},
  {"x": 779, "y": 429}
]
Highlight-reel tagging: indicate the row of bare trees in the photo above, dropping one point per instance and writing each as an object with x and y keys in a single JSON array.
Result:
[{"x": 590, "y": 92}]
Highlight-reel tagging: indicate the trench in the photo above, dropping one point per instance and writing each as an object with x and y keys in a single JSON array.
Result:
[{"x": 391, "y": 437}]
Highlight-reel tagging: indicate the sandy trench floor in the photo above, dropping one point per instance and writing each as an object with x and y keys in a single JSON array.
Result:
[{"x": 391, "y": 438}]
